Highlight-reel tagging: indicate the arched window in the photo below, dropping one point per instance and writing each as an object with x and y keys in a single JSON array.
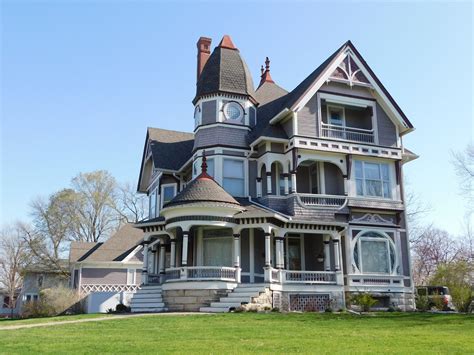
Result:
[{"x": 374, "y": 253}]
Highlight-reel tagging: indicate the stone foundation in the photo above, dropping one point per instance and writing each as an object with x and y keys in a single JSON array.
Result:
[
  {"x": 405, "y": 301},
  {"x": 191, "y": 300}
]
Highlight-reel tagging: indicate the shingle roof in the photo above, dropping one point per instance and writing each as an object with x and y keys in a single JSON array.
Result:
[
  {"x": 202, "y": 189},
  {"x": 116, "y": 248},
  {"x": 225, "y": 71},
  {"x": 170, "y": 149}
]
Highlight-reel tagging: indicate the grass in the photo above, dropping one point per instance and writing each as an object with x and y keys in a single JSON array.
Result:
[{"x": 252, "y": 333}]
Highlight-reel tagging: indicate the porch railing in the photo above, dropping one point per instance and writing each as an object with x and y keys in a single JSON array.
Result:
[
  {"x": 347, "y": 133},
  {"x": 154, "y": 278},
  {"x": 223, "y": 273},
  {"x": 312, "y": 200},
  {"x": 314, "y": 277}
]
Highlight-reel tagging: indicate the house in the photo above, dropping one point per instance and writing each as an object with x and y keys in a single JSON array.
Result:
[
  {"x": 7, "y": 308},
  {"x": 293, "y": 199},
  {"x": 108, "y": 273},
  {"x": 37, "y": 277}
]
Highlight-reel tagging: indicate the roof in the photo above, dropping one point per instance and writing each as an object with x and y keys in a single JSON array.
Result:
[
  {"x": 170, "y": 149},
  {"x": 225, "y": 71},
  {"x": 203, "y": 189},
  {"x": 116, "y": 248}
]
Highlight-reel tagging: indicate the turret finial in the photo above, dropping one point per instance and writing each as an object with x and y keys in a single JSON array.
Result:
[
  {"x": 267, "y": 64},
  {"x": 204, "y": 163}
]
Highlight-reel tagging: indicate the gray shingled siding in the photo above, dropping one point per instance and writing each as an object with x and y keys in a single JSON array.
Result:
[
  {"x": 252, "y": 117},
  {"x": 104, "y": 276},
  {"x": 232, "y": 153},
  {"x": 208, "y": 114},
  {"x": 334, "y": 182},
  {"x": 277, "y": 147},
  {"x": 339, "y": 88},
  {"x": 302, "y": 180},
  {"x": 225, "y": 136},
  {"x": 307, "y": 125},
  {"x": 253, "y": 178},
  {"x": 288, "y": 127},
  {"x": 386, "y": 129},
  {"x": 405, "y": 253}
]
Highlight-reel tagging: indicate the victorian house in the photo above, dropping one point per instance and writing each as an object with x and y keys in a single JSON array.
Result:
[{"x": 293, "y": 199}]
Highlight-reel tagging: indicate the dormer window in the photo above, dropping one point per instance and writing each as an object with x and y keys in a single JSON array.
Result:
[
  {"x": 168, "y": 192},
  {"x": 233, "y": 111}
]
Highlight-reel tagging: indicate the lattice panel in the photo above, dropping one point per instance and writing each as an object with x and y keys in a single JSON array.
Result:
[
  {"x": 86, "y": 289},
  {"x": 309, "y": 302}
]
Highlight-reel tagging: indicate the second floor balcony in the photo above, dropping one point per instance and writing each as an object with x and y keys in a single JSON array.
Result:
[{"x": 347, "y": 133}]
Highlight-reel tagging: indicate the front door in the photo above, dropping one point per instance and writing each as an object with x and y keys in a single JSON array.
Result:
[{"x": 293, "y": 255}]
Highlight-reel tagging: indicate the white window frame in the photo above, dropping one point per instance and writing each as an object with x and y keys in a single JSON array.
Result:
[
  {"x": 389, "y": 181},
  {"x": 244, "y": 173},
  {"x": 155, "y": 210},
  {"x": 389, "y": 244},
  {"x": 163, "y": 186},
  {"x": 330, "y": 106},
  {"x": 131, "y": 276},
  {"x": 32, "y": 296}
]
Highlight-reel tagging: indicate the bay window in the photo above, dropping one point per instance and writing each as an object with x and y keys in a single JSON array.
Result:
[
  {"x": 372, "y": 179},
  {"x": 233, "y": 178},
  {"x": 374, "y": 253}
]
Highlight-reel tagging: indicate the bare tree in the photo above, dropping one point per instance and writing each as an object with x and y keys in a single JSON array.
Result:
[
  {"x": 96, "y": 213},
  {"x": 416, "y": 211},
  {"x": 131, "y": 207},
  {"x": 464, "y": 166},
  {"x": 433, "y": 248},
  {"x": 13, "y": 257}
]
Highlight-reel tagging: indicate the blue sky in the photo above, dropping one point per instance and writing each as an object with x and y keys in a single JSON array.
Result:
[{"x": 81, "y": 81}]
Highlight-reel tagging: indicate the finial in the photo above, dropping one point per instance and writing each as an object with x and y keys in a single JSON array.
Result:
[
  {"x": 204, "y": 163},
  {"x": 267, "y": 63},
  {"x": 262, "y": 70}
]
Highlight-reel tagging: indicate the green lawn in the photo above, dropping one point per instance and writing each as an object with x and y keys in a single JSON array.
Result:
[{"x": 250, "y": 332}]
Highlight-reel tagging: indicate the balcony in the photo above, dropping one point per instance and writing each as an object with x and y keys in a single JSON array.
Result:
[
  {"x": 312, "y": 200},
  {"x": 347, "y": 133}
]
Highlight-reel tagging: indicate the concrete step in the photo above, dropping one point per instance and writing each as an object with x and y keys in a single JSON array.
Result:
[
  {"x": 148, "y": 290},
  {"x": 214, "y": 309},
  {"x": 235, "y": 299},
  {"x": 226, "y": 304},
  {"x": 147, "y": 305},
  {"x": 247, "y": 289},
  {"x": 243, "y": 294},
  {"x": 140, "y": 296},
  {"x": 146, "y": 300}
]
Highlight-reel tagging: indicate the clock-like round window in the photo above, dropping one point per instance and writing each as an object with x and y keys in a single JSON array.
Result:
[{"x": 233, "y": 111}]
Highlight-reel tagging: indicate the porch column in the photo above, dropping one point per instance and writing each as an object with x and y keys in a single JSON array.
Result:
[
  {"x": 287, "y": 183},
  {"x": 173, "y": 253},
  {"x": 154, "y": 266},
  {"x": 279, "y": 252},
  {"x": 259, "y": 187},
  {"x": 237, "y": 257},
  {"x": 145, "y": 263},
  {"x": 293, "y": 181},
  {"x": 268, "y": 258},
  {"x": 269, "y": 182},
  {"x": 184, "y": 254},
  {"x": 162, "y": 258},
  {"x": 336, "y": 244},
  {"x": 327, "y": 254}
]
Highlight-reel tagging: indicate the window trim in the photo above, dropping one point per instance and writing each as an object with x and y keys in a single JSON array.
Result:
[
  {"x": 339, "y": 107},
  {"x": 155, "y": 210}
]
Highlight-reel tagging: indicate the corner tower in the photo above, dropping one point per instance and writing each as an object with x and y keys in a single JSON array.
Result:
[{"x": 225, "y": 107}]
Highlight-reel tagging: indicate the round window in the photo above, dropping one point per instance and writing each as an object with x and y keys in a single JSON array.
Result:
[{"x": 233, "y": 111}]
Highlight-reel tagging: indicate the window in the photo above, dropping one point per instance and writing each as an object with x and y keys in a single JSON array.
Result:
[
  {"x": 372, "y": 179},
  {"x": 131, "y": 277},
  {"x": 233, "y": 177},
  {"x": 168, "y": 191},
  {"x": 374, "y": 253},
  {"x": 197, "y": 167},
  {"x": 31, "y": 297},
  {"x": 217, "y": 247},
  {"x": 197, "y": 116},
  {"x": 153, "y": 201},
  {"x": 233, "y": 111},
  {"x": 336, "y": 115}
]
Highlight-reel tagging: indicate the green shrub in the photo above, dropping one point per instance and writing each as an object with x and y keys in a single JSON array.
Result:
[
  {"x": 53, "y": 302},
  {"x": 422, "y": 303},
  {"x": 364, "y": 300},
  {"x": 121, "y": 308}
]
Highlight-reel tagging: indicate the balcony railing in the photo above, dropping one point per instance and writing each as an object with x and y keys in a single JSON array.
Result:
[
  {"x": 200, "y": 273},
  {"x": 311, "y": 200},
  {"x": 312, "y": 277},
  {"x": 375, "y": 280},
  {"x": 347, "y": 133}
]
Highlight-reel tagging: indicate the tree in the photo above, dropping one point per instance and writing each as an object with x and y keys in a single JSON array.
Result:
[
  {"x": 13, "y": 258},
  {"x": 464, "y": 166},
  {"x": 131, "y": 206},
  {"x": 96, "y": 213},
  {"x": 434, "y": 247}
]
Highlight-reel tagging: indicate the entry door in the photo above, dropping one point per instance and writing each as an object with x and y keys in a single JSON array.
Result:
[{"x": 293, "y": 257}]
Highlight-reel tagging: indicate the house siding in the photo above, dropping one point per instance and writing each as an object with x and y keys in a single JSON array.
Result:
[
  {"x": 343, "y": 89},
  {"x": 307, "y": 119},
  {"x": 386, "y": 129},
  {"x": 104, "y": 276},
  {"x": 208, "y": 114},
  {"x": 253, "y": 178},
  {"x": 225, "y": 136},
  {"x": 252, "y": 117},
  {"x": 288, "y": 127}
]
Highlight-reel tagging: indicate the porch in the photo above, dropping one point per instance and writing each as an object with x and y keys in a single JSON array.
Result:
[{"x": 251, "y": 256}]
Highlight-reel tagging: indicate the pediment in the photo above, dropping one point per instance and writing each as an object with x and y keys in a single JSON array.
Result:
[{"x": 348, "y": 71}]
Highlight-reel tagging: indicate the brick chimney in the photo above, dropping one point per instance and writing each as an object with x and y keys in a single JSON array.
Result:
[{"x": 204, "y": 52}]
